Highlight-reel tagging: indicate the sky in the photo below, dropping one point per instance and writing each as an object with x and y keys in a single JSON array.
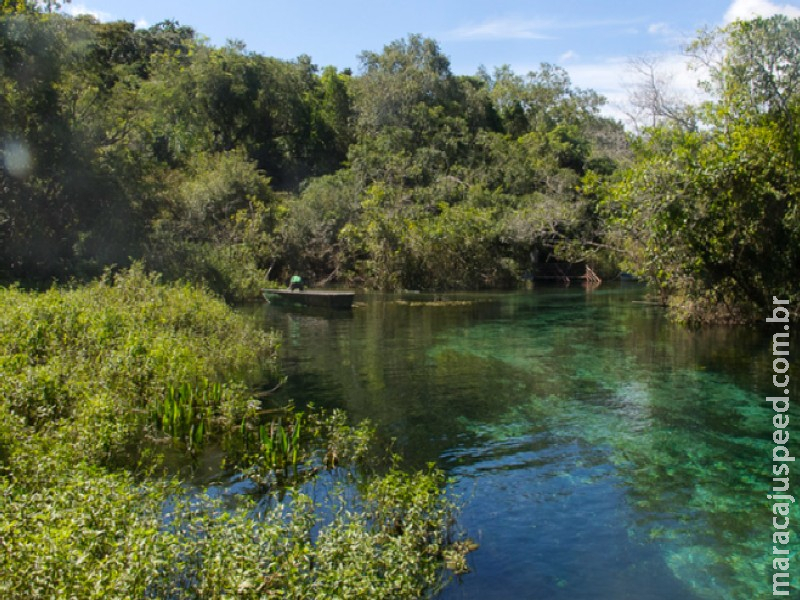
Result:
[{"x": 594, "y": 40}]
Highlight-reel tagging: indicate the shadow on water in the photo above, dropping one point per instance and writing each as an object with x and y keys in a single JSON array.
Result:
[{"x": 599, "y": 450}]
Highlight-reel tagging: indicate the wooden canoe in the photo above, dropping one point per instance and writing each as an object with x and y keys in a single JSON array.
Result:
[{"x": 316, "y": 298}]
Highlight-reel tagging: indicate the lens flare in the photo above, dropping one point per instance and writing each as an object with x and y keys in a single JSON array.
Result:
[{"x": 17, "y": 159}]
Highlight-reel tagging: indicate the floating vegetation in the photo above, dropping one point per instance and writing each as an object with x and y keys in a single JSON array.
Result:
[
  {"x": 437, "y": 303},
  {"x": 455, "y": 557}
]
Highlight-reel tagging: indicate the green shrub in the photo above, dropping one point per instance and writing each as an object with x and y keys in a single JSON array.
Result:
[
  {"x": 89, "y": 373},
  {"x": 92, "y": 364},
  {"x": 91, "y": 534}
]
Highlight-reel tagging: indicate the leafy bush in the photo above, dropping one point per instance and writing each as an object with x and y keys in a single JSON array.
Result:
[
  {"x": 91, "y": 534},
  {"x": 91, "y": 364},
  {"x": 88, "y": 373},
  {"x": 213, "y": 225}
]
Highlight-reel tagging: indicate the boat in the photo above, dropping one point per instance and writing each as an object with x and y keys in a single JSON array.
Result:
[{"x": 316, "y": 298}]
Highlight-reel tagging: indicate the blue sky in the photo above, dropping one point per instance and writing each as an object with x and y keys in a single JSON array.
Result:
[{"x": 593, "y": 40}]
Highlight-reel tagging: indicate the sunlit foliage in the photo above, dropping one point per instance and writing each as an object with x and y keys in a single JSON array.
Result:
[
  {"x": 710, "y": 214},
  {"x": 224, "y": 166},
  {"x": 96, "y": 379}
]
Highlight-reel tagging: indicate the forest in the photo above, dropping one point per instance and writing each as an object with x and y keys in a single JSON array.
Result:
[{"x": 222, "y": 166}]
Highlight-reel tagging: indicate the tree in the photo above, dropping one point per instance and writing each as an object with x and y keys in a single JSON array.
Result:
[
  {"x": 541, "y": 100},
  {"x": 214, "y": 224},
  {"x": 754, "y": 67},
  {"x": 41, "y": 184},
  {"x": 120, "y": 142},
  {"x": 30, "y": 6},
  {"x": 408, "y": 73},
  {"x": 712, "y": 215},
  {"x": 652, "y": 101}
]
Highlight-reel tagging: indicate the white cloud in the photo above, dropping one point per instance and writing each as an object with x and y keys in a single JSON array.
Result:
[
  {"x": 104, "y": 17},
  {"x": 568, "y": 56},
  {"x": 615, "y": 79},
  {"x": 502, "y": 29},
  {"x": 660, "y": 29},
  {"x": 82, "y": 9},
  {"x": 667, "y": 35},
  {"x": 656, "y": 27},
  {"x": 749, "y": 9},
  {"x": 605, "y": 78},
  {"x": 529, "y": 29}
]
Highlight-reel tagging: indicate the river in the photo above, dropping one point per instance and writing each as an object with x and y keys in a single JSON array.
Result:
[{"x": 598, "y": 450}]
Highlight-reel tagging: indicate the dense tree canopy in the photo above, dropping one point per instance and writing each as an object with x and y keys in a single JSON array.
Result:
[
  {"x": 710, "y": 213},
  {"x": 230, "y": 167},
  {"x": 104, "y": 126}
]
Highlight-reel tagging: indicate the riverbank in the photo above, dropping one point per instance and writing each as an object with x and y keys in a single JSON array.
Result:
[{"x": 95, "y": 378}]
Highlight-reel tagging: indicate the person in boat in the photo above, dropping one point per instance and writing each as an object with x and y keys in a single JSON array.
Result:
[{"x": 296, "y": 283}]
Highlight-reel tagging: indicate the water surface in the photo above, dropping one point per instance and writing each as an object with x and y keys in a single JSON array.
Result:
[{"x": 599, "y": 451}]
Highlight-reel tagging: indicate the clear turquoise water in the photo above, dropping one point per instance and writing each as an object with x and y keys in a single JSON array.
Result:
[{"x": 599, "y": 451}]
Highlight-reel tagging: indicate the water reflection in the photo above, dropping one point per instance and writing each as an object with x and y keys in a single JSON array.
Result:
[{"x": 600, "y": 451}]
